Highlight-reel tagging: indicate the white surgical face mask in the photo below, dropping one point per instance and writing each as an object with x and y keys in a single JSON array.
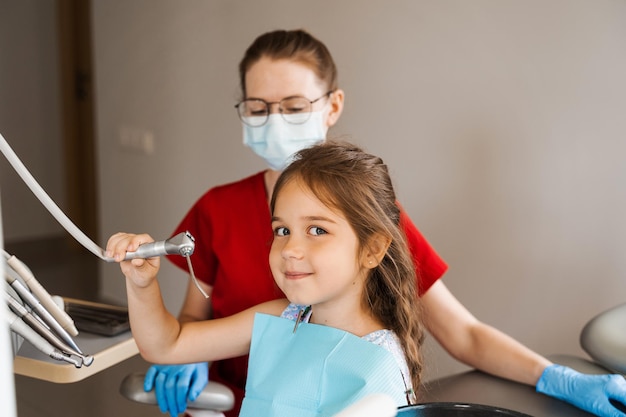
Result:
[{"x": 277, "y": 140}]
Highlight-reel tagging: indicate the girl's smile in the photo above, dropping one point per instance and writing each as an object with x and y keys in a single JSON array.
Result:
[{"x": 293, "y": 275}]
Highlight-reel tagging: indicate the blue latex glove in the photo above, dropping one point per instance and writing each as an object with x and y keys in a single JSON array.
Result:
[
  {"x": 588, "y": 392},
  {"x": 176, "y": 384}
]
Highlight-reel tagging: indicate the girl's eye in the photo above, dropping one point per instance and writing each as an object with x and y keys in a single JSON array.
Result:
[
  {"x": 281, "y": 231},
  {"x": 316, "y": 231}
]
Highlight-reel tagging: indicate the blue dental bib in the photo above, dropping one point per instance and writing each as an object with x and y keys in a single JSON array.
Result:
[{"x": 315, "y": 372}]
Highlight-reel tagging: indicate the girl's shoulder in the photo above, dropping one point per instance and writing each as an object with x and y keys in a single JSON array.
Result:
[
  {"x": 388, "y": 340},
  {"x": 384, "y": 338}
]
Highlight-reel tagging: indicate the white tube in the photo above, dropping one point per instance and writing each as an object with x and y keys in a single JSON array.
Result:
[
  {"x": 7, "y": 385},
  {"x": 48, "y": 203}
]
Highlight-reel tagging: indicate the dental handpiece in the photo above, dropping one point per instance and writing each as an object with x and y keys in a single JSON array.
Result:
[
  {"x": 40, "y": 292},
  {"x": 44, "y": 331},
  {"x": 32, "y": 301},
  {"x": 182, "y": 244},
  {"x": 18, "y": 326}
]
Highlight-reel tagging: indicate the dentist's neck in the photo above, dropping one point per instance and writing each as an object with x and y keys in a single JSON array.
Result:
[{"x": 270, "y": 177}]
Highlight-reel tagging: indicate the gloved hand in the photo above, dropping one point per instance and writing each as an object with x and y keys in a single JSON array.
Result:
[
  {"x": 588, "y": 392},
  {"x": 175, "y": 384}
]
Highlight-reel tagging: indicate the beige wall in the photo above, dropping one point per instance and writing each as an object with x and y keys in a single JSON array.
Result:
[
  {"x": 503, "y": 123},
  {"x": 30, "y": 116}
]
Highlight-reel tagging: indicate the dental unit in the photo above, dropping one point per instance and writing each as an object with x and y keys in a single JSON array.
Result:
[
  {"x": 32, "y": 301},
  {"x": 34, "y": 314},
  {"x": 20, "y": 327},
  {"x": 38, "y": 290},
  {"x": 68, "y": 353}
]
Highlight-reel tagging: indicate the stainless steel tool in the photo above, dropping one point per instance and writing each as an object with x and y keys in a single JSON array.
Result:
[{"x": 182, "y": 244}]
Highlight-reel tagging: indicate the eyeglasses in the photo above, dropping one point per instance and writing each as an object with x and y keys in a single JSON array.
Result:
[{"x": 296, "y": 110}]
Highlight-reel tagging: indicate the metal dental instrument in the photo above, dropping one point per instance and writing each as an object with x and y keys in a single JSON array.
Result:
[
  {"x": 44, "y": 297},
  {"x": 182, "y": 244},
  {"x": 45, "y": 332},
  {"x": 32, "y": 301},
  {"x": 18, "y": 326}
]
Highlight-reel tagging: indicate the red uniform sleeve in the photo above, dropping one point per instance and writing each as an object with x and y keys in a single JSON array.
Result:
[
  {"x": 197, "y": 223},
  {"x": 429, "y": 266}
]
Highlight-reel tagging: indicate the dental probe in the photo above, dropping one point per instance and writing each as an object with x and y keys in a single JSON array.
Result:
[
  {"x": 32, "y": 301},
  {"x": 45, "y": 332},
  {"x": 18, "y": 326},
  {"x": 44, "y": 297}
]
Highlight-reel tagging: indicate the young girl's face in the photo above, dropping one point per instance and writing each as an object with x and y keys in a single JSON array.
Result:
[{"x": 314, "y": 255}]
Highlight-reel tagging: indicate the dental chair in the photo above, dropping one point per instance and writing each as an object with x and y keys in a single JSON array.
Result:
[
  {"x": 214, "y": 399},
  {"x": 604, "y": 339}
]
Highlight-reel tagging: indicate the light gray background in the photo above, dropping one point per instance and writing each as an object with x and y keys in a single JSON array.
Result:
[{"x": 502, "y": 121}]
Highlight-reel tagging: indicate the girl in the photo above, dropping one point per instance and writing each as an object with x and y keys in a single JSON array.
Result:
[{"x": 342, "y": 261}]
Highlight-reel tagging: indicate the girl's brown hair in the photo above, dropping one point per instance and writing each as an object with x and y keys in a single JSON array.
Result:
[
  {"x": 295, "y": 45},
  {"x": 347, "y": 179}
]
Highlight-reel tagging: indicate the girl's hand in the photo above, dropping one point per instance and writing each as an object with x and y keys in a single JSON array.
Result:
[{"x": 141, "y": 272}]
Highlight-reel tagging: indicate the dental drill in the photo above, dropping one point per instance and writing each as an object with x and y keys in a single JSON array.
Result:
[
  {"x": 45, "y": 332},
  {"x": 17, "y": 325},
  {"x": 182, "y": 244},
  {"x": 38, "y": 290},
  {"x": 38, "y": 308}
]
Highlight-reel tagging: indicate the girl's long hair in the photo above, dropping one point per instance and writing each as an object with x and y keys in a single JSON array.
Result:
[{"x": 358, "y": 184}]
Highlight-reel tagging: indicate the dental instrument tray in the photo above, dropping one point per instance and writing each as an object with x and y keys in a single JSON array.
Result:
[{"x": 98, "y": 318}]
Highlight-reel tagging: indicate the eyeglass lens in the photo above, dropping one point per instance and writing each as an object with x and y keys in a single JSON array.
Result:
[{"x": 295, "y": 110}]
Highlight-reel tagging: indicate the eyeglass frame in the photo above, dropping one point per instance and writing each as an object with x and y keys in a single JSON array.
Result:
[{"x": 268, "y": 105}]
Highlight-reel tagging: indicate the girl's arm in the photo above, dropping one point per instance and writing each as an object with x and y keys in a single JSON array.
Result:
[{"x": 159, "y": 336}]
